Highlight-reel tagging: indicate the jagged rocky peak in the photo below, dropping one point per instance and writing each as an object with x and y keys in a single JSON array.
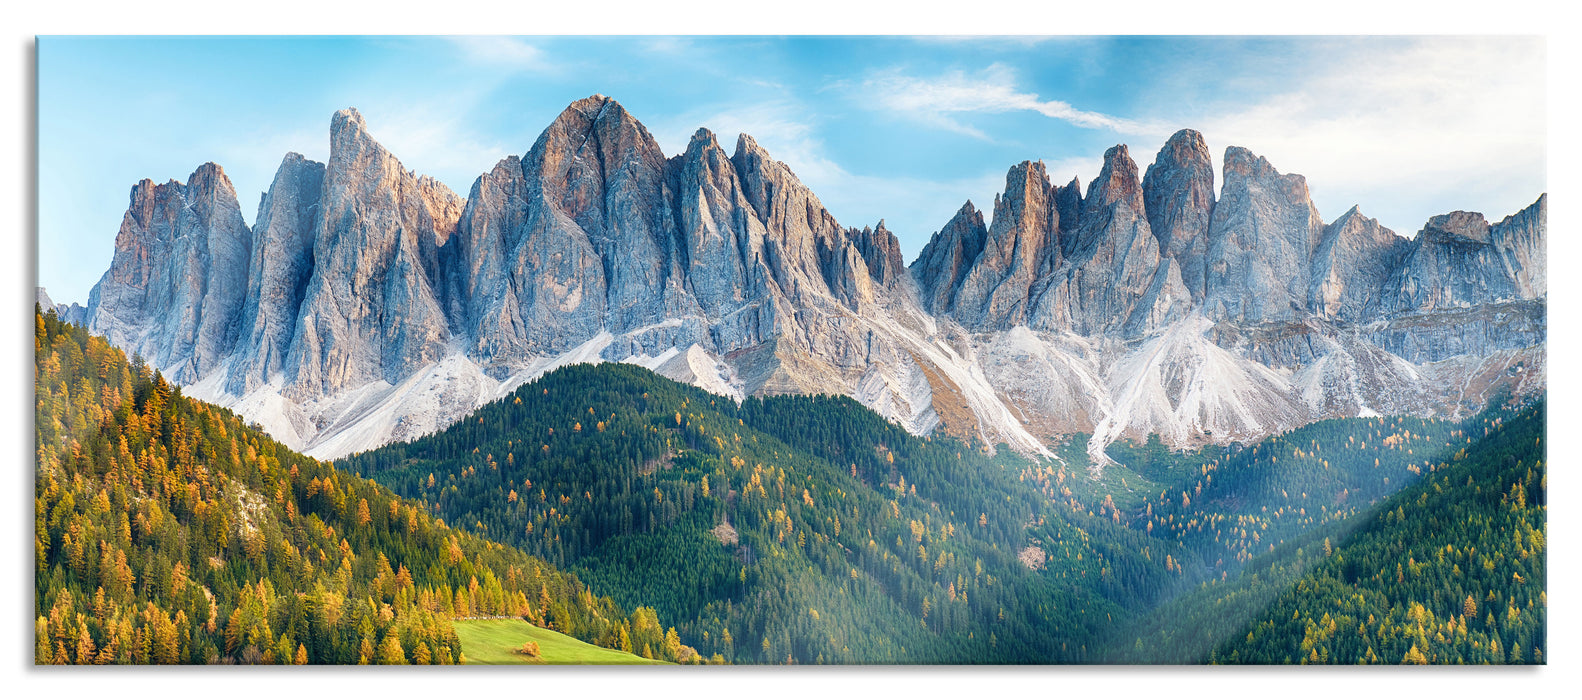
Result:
[
  {"x": 1459, "y": 260},
  {"x": 1522, "y": 240},
  {"x": 722, "y": 236},
  {"x": 791, "y": 213},
  {"x": 599, "y": 167},
  {"x": 1178, "y": 194},
  {"x": 370, "y": 312},
  {"x": 1354, "y": 259},
  {"x": 175, "y": 287},
  {"x": 1261, "y": 239},
  {"x": 1117, "y": 180},
  {"x": 881, "y": 250},
  {"x": 948, "y": 256},
  {"x": 1022, "y": 240},
  {"x": 478, "y": 297},
  {"x": 803, "y": 243},
  {"x": 281, "y": 265},
  {"x": 594, "y": 145},
  {"x": 1114, "y": 280}
]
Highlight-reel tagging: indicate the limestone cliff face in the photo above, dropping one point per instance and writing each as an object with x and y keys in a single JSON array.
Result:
[
  {"x": 368, "y": 303},
  {"x": 1453, "y": 264},
  {"x": 1464, "y": 287},
  {"x": 282, "y": 263},
  {"x": 948, "y": 257},
  {"x": 1522, "y": 239},
  {"x": 1178, "y": 194},
  {"x": 1261, "y": 241},
  {"x": 1354, "y": 259},
  {"x": 1113, "y": 280},
  {"x": 369, "y": 312},
  {"x": 1022, "y": 241},
  {"x": 175, "y": 288}
]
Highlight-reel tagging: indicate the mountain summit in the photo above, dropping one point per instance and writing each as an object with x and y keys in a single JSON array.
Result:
[{"x": 369, "y": 304}]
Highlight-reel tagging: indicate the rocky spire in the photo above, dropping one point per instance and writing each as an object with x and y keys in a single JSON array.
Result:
[
  {"x": 1024, "y": 232},
  {"x": 803, "y": 241},
  {"x": 282, "y": 264},
  {"x": 1453, "y": 263},
  {"x": 1178, "y": 194},
  {"x": 175, "y": 288},
  {"x": 602, "y": 169},
  {"x": 722, "y": 242},
  {"x": 1067, "y": 203},
  {"x": 949, "y": 255},
  {"x": 482, "y": 296},
  {"x": 369, "y": 312},
  {"x": 1355, "y": 257},
  {"x": 1114, "y": 281},
  {"x": 1262, "y": 235},
  {"x": 881, "y": 250}
]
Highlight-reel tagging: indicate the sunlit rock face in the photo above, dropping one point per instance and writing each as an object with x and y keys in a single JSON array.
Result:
[
  {"x": 176, "y": 285},
  {"x": 368, "y": 303}
]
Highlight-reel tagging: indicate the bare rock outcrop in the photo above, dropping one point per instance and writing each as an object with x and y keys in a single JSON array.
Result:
[
  {"x": 175, "y": 288},
  {"x": 1260, "y": 243},
  {"x": 1354, "y": 259},
  {"x": 1178, "y": 194},
  {"x": 369, "y": 312},
  {"x": 289, "y": 216}
]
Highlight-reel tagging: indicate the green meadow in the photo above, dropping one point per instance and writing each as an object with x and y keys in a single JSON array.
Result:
[{"x": 496, "y": 642}]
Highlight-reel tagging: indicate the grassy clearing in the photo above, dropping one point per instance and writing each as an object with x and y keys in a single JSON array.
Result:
[{"x": 494, "y": 642}]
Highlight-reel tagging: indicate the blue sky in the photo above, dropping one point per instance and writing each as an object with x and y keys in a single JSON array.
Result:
[{"x": 903, "y": 129}]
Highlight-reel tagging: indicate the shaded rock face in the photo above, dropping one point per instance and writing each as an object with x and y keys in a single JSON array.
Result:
[
  {"x": 1464, "y": 287},
  {"x": 1113, "y": 280},
  {"x": 175, "y": 288},
  {"x": 281, "y": 265},
  {"x": 1261, "y": 241},
  {"x": 368, "y": 303},
  {"x": 369, "y": 312},
  {"x": 1022, "y": 241},
  {"x": 949, "y": 255},
  {"x": 1354, "y": 259},
  {"x": 1454, "y": 264},
  {"x": 1178, "y": 195},
  {"x": 1522, "y": 241}
]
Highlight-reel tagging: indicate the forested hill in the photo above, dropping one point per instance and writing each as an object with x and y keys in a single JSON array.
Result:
[
  {"x": 789, "y": 529},
  {"x": 166, "y": 531},
  {"x": 1449, "y": 571},
  {"x": 799, "y": 529}
]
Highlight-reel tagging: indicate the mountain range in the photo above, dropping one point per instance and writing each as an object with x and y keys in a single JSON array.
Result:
[{"x": 369, "y": 304}]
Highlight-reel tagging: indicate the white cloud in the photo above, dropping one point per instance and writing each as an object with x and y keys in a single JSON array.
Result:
[
  {"x": 503, "y": 51},
  {"x": 1404, "y": 129},
  {"x": 940, "y": 100}
]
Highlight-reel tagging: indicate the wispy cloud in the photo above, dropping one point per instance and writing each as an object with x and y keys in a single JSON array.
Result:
[
  {"x": 1402, "y": 128},
  {"x": 503, "y": 51},
  {"x": 942, "y": 100}
]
